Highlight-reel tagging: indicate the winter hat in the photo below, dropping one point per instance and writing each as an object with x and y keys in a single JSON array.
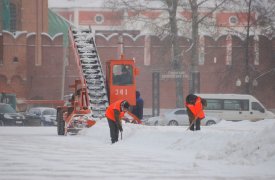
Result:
[
  {"x": 191, "y": 99},
  {"x": 125, "y": 105}
]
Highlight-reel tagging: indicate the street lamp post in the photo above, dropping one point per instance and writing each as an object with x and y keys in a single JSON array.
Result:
[
  {"x": 255, "y": 80},
  {"x": 247, "y": 87},
  {"x": 238, "y": 82},
  {"x": 246, "y": 81}
]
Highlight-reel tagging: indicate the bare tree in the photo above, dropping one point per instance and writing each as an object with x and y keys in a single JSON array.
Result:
[
  {"x": 247, "y": 45},
  {"x": 166, "y": 25},
  {"x": 260, "y": 19},
  {"x": 265, "y": 16},
  {"x": 169, "y": 24},
  {"x": 199, "y": 19}
]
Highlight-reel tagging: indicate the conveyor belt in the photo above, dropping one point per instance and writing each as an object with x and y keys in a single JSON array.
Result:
[{"x": 91, "y": 70}]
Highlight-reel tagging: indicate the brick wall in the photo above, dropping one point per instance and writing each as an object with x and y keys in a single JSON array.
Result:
[
  {"x": 20, "y": 74},
  {"x": 216, "y": 76},
  {"x": 44, "y": 81}
]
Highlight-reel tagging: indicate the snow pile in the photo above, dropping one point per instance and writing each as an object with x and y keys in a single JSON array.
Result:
[
  {"x": 238, "y": 150},
  {"x": 253, "y": 148}
]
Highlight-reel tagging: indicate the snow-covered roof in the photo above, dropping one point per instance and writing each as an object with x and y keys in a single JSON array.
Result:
[
  {"x": 137, "y": 3},
  {"x": 75, "y": 3},
  {"x": 15, "y": 34}
]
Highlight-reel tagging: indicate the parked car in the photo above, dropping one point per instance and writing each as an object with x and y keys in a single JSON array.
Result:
[
  {"x": 9, "y": 117},
  {"x": 151, "y": 121},
  {"x": 31, "y": 120},
  {"x": 178, "y": 117},
  {"x": 47, "y": 115},
  {"x": 235, "y": 107}
]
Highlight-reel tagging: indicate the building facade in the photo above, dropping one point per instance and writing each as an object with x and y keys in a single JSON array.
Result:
[
  {"x": 222, "y": 65},
  {"x": 41, "y": 68}
]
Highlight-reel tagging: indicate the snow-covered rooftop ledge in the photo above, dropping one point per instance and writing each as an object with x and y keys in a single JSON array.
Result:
[
  {"x": 15, "y": 34},
  {"x": 52, "y": 38},
  {"x": 75, "y": 3}
]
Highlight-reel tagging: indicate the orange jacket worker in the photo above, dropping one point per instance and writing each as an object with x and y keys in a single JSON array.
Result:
[
  {"x": 113, "y": 114},
  {"x": 194, "y": 106}
]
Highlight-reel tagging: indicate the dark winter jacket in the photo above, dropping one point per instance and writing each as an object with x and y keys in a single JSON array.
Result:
[{"x": 138, "y": 108}]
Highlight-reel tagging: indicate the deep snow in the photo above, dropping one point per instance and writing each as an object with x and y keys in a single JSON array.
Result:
[{"x": 228, "y": 150}]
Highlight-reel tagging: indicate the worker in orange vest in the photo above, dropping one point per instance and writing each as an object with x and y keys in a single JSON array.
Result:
[
  {"x": 114, "y": 113},
  {"x": 194, "y": 105}
]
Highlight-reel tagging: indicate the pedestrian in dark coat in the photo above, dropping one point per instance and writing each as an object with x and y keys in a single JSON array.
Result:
[{"x": 138, "y": 108}]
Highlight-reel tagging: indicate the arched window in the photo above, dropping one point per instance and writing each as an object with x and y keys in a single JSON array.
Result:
[{"x": 13, "y": 17}]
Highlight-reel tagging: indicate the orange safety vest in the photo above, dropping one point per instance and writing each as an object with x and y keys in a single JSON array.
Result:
[
  {"x": 110, "y": 113},
  {"x": 196, "y": 109}
]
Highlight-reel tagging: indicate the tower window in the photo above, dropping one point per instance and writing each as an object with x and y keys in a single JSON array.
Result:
[
  {"x": 15, "y": 60},
  {"x": 13, "y": 17}
]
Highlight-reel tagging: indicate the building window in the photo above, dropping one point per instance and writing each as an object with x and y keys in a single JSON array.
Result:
[
  {"x": 256, "y": 50},
  {"x": 99, "y": 19},
  {"x": 201, "y": 50},
  {"x": 15, "y": 60},
  {"x": 228, "y": 60},
  {"x": 122, "y": 74},
  {"x": 147, "y": 51},
  {"x": 13, "y": 17},
  {"x": 233, "y": 20},
  {"x": 1, "y": 50}
]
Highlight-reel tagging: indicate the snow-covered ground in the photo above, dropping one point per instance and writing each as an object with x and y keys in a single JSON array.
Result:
[{"x": 228, "y": 150}]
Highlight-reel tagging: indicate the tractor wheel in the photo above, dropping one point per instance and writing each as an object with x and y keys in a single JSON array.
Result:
[{"x": 60, "y": 122}]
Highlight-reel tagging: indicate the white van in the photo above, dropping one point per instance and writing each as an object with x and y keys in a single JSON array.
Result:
[{"x": 235, "y": 107}]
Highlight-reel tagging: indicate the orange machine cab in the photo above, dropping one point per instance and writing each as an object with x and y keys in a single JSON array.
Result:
[{"x": 121, "y": 80}]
